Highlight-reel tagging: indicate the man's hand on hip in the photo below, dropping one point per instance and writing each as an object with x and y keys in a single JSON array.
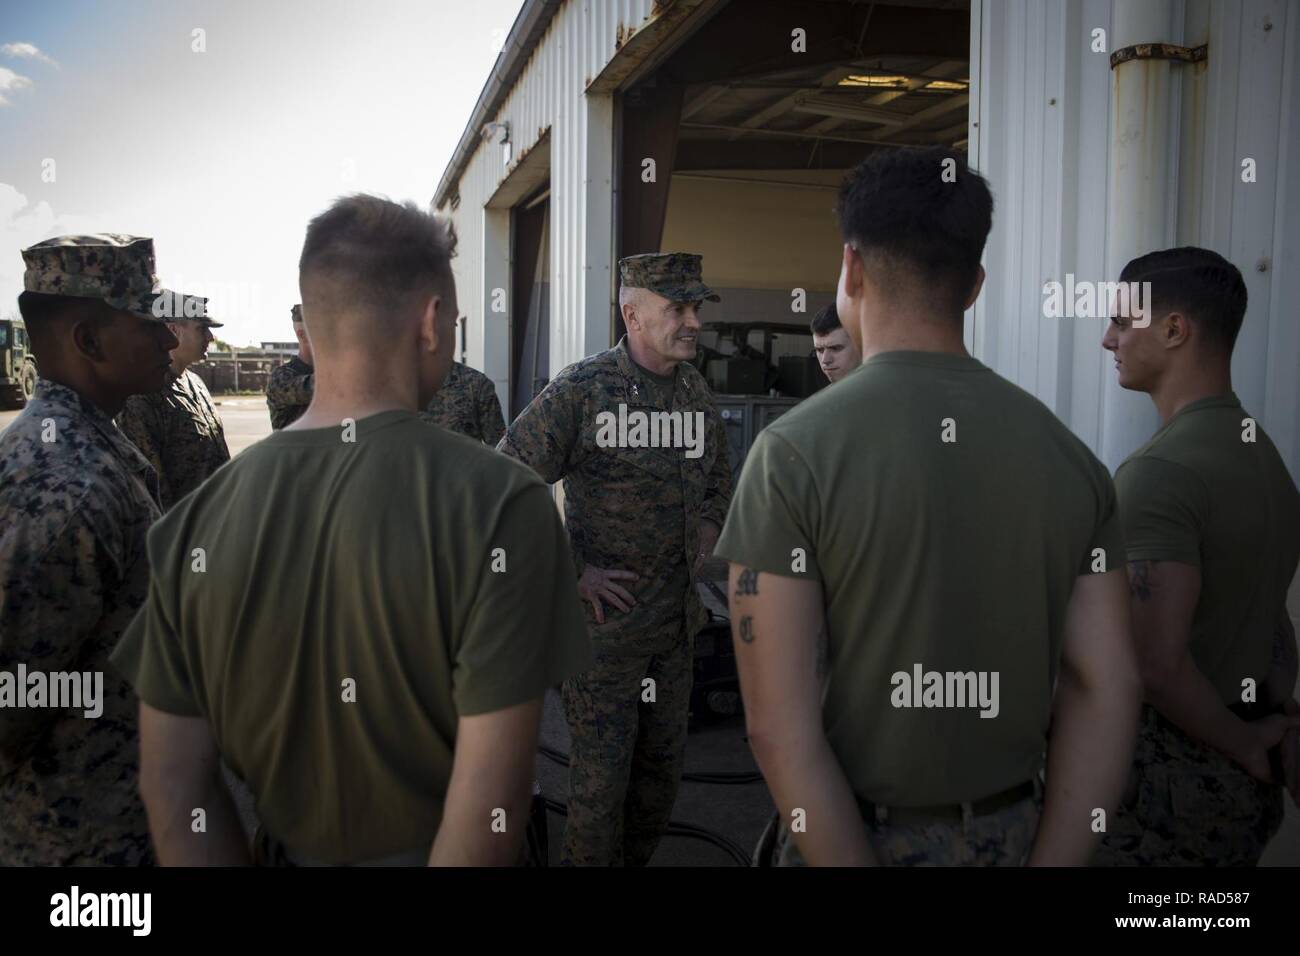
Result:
[{"x": 598, "y": 584}]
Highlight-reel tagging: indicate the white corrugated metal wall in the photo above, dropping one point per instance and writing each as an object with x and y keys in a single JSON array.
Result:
[
  {"x": 549, "y": 95},
  {"x": 1041, "y": 118}
]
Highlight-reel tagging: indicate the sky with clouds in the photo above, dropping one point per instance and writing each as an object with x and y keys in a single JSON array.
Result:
[{"x": 112, "y": 120}]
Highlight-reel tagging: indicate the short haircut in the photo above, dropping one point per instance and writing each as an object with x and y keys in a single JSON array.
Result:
[
  {"x": 1197, "y": 282},
  {"x": 826, "y": 321},
  {"x": 42, "y": 312},
  {"x": 380, "y": 253},
  {"x": 902, "y": 210}
]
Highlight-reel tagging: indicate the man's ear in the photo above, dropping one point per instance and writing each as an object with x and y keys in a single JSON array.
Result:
[
  {"x": 852, "y": 269},
  {"x": 430, "y": 339},
  {"x": 629, "y": 316},
  {"x": 975, "y": 289},
  {"x": 88, "y": 336},
  {"x": 1175, "y": 329}
]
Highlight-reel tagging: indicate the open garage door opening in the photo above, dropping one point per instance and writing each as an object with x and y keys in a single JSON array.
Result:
[{"x": 734, "y": 147}]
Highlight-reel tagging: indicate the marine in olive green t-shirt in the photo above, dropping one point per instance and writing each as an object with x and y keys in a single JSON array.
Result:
[
  {"x": 1198, "y": 493},
  {"x": 947, "y": 514},
  {"x": 332, "y": 608}
]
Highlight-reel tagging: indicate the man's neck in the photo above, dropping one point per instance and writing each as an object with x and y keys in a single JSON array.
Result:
[
  {"x": 1179, "y": 388},
  {"x": 352, "y": 389},
  {"x": 178, "y": 367},
  {"x": 911, "y": 330},
  {"x": 649, "y": 360}
]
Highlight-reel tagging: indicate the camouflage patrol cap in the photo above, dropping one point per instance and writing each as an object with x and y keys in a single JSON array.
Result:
[
  {"x": 296, "y": 313},
  {"x": 183, "y": 307},
  {"x": 112, "y": 267},
  {"x": 673, "y": 275}
]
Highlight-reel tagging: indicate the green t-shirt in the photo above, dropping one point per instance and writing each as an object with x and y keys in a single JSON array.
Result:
[
  {"x": 1197, "y": 493},
  {"x": 374, "y": 562},
  {"x": 664, "y": 385},
  {"x": 957, "y": 557}
]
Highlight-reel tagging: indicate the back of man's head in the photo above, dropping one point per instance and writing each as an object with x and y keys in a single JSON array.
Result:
[
  {"x": 368, "y": 267},
  {"x": 919, "y": 218},
  {"x": 1198, "y": 283}
]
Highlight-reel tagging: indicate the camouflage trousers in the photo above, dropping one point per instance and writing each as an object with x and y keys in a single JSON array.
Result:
[
  {"x": 625, "y": 760},
  {"x": 1002, "y": 838},
  {"x": 1188, "y": 805}
]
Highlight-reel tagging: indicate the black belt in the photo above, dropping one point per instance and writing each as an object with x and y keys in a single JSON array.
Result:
[{"x": 946, "y": 812}]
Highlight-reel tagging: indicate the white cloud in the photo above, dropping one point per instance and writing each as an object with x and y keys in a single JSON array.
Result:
[
  {"x": 26, "y": 50},
  {"x": 23, "y": 225},
  {"x": 9, "y": 80}
]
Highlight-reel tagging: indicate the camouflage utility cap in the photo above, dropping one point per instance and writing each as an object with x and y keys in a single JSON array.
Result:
[
  {"x": 181, "y": 306},
  {"x": 673, "y": 275},
  {"x": 114, "y": 268}
]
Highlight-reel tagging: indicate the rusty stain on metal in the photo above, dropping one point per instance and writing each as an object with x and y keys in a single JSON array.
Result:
[
  {"x": 665, "y": 16},
  {"x": 622, "y": 36},
  {"x": 1158, "y": 51}
]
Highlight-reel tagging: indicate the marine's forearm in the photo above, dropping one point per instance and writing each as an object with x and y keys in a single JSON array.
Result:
[
  {"x": 171, "y": 804},
  {"x": 1280, "y": 683},
  {"x": 1188, "y": 699},
  {"x": 1086, "y": 768}
]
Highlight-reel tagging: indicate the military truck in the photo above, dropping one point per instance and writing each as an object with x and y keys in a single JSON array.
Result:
[{"x": 17, "y": 366}]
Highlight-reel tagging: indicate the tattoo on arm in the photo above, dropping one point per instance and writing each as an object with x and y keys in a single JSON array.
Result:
[
  {"x": 747, "y": 583},
  {"x": 747, "y": 629},
  {"x": 1139, "y": 579}
]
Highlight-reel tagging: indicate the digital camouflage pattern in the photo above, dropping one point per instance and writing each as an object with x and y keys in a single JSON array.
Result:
[
  {"x": 1188, "y": 805},
  {"x": 636, "y": 509},
  {"x": 179, "y": 432},
  {"x": 1003, "y": 838},
  {"x": 467, "y": 404},
  {"x": 288, "y": 392},
  {"x": 673, "y": 275},
  {"x": 617, "y": 816},
  {"x": 73, "y": 571},
  {"x": 116, "y": 268}
]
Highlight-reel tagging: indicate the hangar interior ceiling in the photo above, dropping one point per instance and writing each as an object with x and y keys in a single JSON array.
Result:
[
  {"x": 869, "y": 74},
  {"x": 801, "y": 115}
]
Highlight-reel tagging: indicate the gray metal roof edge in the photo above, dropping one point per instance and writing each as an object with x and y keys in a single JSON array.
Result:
[{"x": 533, "y": 19}]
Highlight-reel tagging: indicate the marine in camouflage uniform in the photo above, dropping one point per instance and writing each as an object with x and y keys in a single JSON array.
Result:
[
  {"x": 77, "y": 499},
  {"x": 637, "y": 509},
  {"x": 289, "y": 388},
  {"x": 467, "y": 403},
  {"x": 178, "y": 429}
]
